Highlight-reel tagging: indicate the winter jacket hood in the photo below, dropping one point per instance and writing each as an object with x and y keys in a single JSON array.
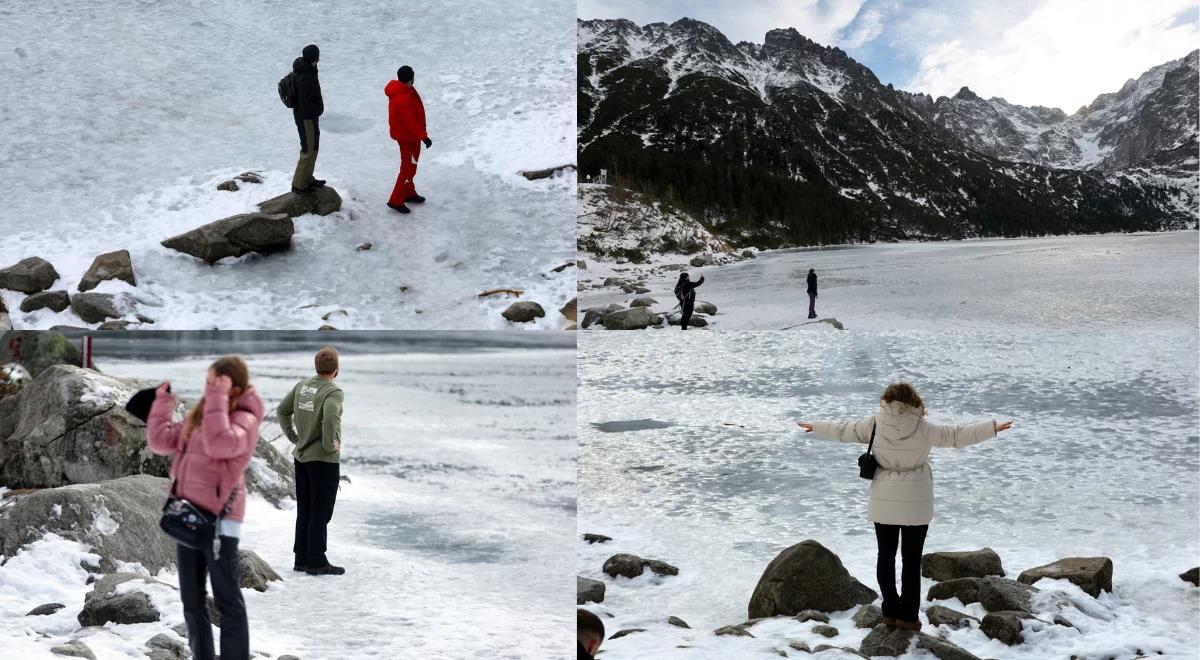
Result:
[
  {"x": 212, "y": 462},
  {"x": 406, "y": 112}
]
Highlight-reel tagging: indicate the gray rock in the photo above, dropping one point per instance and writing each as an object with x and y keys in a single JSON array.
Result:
[
  {"x": 5, "y": 319},
  {"x": 806, "y": 576},
  {"x": 1004, "y": 626},
  {"x": 944, "y": 616},
  {"x": 641, "y": 290},
  {"x": 116, "y": 325},
  {"x": 643, "y": 302},
  {"x": 523, "y": 311},
  {"x": 29, "y": 275},
  {"x": 892, "y": 642},
  {"x": 108, "y": 266},
  {"x": 748, "y": 254},
  {"x": 534, "y": 175},
  {"x": 103, "y": 604},
  {"x": 118, "y": 519},
  {"x": 254, "y": 573},
  {"x": 697, "y": 321},
  {"x": 45, "y": 610},
  {"x": 325, "y": 201},
  {"x": 73, "y": 649},
  {"x": 677, "y": 622},
  {"x": 363, "y": 247},
  {"x": 37, "y": 351},
  {"x": 232, "y": 184},
  {"x": 821, "y": 648},
  {"x": 632, "y": 566},
  {"x": 581, "y": 264},
  {"x": 812, "y": 615},
  {"x": 54, "y": 300},
  {"x": 705, "y": 307},
  {"x": 994, "y": 593},
  {"x": 733, "y": 631},
  {"x": 287, "y": 657},
  {"x": 99, "y": 307},
  {"x": 868, "y": 616},
  {"x": 637, "y": 318},
  {"x": 264, "y": 233},
  {"x": 942, "y": 566},
  {"x": 825, "y": 630},
  {"x": 569, "y": 310},
  {"x": 1092, "y": 574},
  {"x": 797, "y": 645},
  {"x": 628, "y": 631},
  {"x": 588, "y": 590},
  {"x": 1191, "y": 575},
  {"x": 165, "y": 647},
  {"x": 613, "y": 281},
  {"x": 595, "y": 314},
  {"x": 228, "y": 186},
  {"x": 596, "y": 538},
  {"x": 700, "y": 260}
]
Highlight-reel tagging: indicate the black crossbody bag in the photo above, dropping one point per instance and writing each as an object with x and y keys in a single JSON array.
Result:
[
  {"x": 866, "y": 462},
  {"x": 191, "y": 526}
]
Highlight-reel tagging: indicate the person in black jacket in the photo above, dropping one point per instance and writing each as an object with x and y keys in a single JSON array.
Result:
[
  {"x": 812, "y": 294},
  {"x": 589, "y": 631},
  {"x": 685, "y": 293},
  {"x": 309, "y": 107}
]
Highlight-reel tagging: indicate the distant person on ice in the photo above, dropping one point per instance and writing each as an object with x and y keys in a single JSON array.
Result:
[
  {"x": 901, "y": 503},
  {"x": 685, "y": 293},
  {"x": 311, "y": 417},
  {"x": 812, "y": 294},
  {"x": 406, "y": 123},
  {"x": 210, "y": 449},
  {"x": 307, "y": 110}
]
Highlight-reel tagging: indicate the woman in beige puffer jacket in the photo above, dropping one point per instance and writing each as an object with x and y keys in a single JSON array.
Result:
[{"x": 902, "y": 490}]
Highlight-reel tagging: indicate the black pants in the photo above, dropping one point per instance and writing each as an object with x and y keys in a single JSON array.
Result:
[
  {"x": 195, "y": 566},
  {"x": 316, "y": 493},
  {"x": 812, "y": 305},
  {"x": 911, "y": 538},
  {"x": 687, "y": 312}
]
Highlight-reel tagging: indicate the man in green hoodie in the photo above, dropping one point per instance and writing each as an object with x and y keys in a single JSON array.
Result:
[{"x": 311, "y": 417}]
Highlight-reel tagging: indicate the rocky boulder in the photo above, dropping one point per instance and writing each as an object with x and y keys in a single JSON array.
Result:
[
  {"x": 74, "y": 649},
  {"x": 893, "y": 642},
  {"x": 165, "y": 647},
  {"x": 636, "y": 318},
  {"x": 1092, "y": 574},
  {"x": 324, "y": 201},
  {"x": 807, "y": 576},
  {"x": 264, "y": 233},
  {"x": 56, "y": 301},
  {"x": 523, "y": 311},
  {"x": 697, "y": 321},
  {"x": 643, "y": 302},
  {"x": 595, "y": 314},
  {"x": 108, "y": 266},
  {"x": 109, "y": 601},
  {"x": 46, "y": 609},
  {"x": 569, "y": 310},
  {"x": 596, "y": 538},
  {"x": 29, "y": 275},
  {"x": 944, "y": 616},
  {"x": 99, "y": 307},
  {"x": 232, "y": 184},
  {"x": 1004, "y": 626},
  {"x": 588, "y": 591},
  {"x": 994, "y": 593},
  {"x": 36, "y": 351},
  {"x": 118, "y": 519},
  {"x": 942, "y": 566},
  {"x": 254, "y": 573},
  {"x": 704, "y": 308},
  {"x": 632, "y": 566},
  {"x": 868, "y": 616}
]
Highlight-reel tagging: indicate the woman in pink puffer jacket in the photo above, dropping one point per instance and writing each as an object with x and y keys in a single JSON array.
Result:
[{"x": 210, "y": 449}]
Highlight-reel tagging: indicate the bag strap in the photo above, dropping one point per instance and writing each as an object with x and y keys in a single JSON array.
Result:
[{"x": 872, "y": 442}]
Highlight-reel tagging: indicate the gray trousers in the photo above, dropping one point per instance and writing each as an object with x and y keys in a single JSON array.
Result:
[{"x": 310, "y": 141}]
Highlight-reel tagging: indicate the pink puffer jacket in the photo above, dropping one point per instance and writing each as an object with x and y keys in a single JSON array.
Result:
[{"x": 217, "y": 453}]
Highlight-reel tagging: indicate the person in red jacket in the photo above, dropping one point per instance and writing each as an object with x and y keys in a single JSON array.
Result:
[
  {"x": 210, "y": 451},
  {"x": 406, "y": 122}
]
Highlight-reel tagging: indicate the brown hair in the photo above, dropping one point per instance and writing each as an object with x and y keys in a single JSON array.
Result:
[
  {"x": 326, "y": 361},
  {"x": 588, "y": 625},
  {"x": 904, "y": 393},
  {"x": 232, "y": 366}
]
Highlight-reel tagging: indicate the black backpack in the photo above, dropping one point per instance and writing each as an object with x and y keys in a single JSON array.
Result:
[{"x": 287, "y": 90}]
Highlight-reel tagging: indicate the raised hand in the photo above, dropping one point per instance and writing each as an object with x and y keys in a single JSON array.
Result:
[
  {"x": 223, "y": 382},
  {"x": 806, "y": 426},
  {"x": 164, "y": 389}
]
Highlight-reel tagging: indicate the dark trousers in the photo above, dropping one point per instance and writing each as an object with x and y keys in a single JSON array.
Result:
[
  {"x": 316, "y": 493},
  {"x": 911, "y": 538},
  {"x": 687, "y": 313},
  {"x": 195, "y": 566},
  {"x": 812, "y": 305}
]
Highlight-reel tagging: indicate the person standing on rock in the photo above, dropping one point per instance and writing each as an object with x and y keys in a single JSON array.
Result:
[
  {"x": 311, "y": 417},
  {"x": 210, "y": 450},
  {"x": 307, "y": 112},
  {"x": 901, "y": 501},
  {"x": 812, "y": 294},
  {"x": 685, "y": 293},
  {"x": 589, "y": 632},
  {"x": 406, "y": 124}
]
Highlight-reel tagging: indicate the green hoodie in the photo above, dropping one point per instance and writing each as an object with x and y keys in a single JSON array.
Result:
[{"x": 316, "y": 406}]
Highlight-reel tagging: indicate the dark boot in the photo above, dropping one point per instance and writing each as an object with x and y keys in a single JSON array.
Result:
[
  {"x": 327, "y": 569},
  {"x": 399, "y": 208},
  {"x": 415, "y": 199}
]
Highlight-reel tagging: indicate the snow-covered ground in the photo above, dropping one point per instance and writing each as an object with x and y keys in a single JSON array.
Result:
[
  {"x": 119, "y": 120},
  {"x": 456, "y": 529},
  {"x": 1089, "y": 344},
  {"x": 1059, "y": 283}
]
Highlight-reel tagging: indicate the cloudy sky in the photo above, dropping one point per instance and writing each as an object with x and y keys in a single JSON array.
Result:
[{"x": 1058, "y": 53}]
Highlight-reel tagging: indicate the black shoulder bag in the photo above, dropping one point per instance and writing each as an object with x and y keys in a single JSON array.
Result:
[
  {"x": 191, "y": 526},
  {"x": 867, "y": 462}
]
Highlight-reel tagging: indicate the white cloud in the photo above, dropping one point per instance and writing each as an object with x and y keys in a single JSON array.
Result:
[
  {"x": 820, "y": 20},
  {"x": 1061, "y": 53}
]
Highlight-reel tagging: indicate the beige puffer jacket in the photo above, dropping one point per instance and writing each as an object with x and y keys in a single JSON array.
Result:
[{"x": 902, "y": 490}]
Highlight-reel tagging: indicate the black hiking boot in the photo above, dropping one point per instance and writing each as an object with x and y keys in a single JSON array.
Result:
[
  {"x": 303, "y": 191},
  {"x": 399, "y": 208},
  {"x": 316, "y": 183},
  {"x": 415, "y": 199},
  {"x": 327, "y": 569}
]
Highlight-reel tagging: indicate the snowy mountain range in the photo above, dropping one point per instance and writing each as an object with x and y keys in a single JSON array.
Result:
[{"x": 790, "y": 142}]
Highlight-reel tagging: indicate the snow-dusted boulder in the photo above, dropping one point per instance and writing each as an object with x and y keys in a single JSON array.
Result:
[
  {"x": 697, "y": 320},
  {"x": 588, "y": 590},
  {"x": 29, "y": 275},
  {"x": 121, "y": 598},
  {"x": 636, "y": 318},
  {"x": 893, "y": 642},
  {"x": 569, "y": 310},
  {"x": 95, "y": 307},
  {"x": 1092, "y": 574},
  {"x": 323, "y": 202},
  {"x": 593, "y": 315},
  {"x": 632, "y": 566},
  {"x": 994, "y": 593},
  {"x": 108, "y": 266},
  {"x": 643, "y": 302},
  {"x": 805, "y": 576},
  {"x": 254, "y": 573},
  {"x": 704, "y": 307},
  {"x": 54, "y": 300},
  {"x": 264, "y": 233},
  {"x": 942, "y": 566},
  {"x": 944, "y": 616}
]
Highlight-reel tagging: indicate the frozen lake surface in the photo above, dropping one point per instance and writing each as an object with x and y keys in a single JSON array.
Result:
[
  {"x": 117, "y": 141},
  {"x": 1060, "y": 283},
  {"x": 456, "y": 529},
  {"x": 1103, "y": 457}
]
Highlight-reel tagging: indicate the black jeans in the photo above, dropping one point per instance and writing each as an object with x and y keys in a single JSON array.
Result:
[
  {"x": 687, "y": 313},
  {"x": 195, "y": 566},
  {"x": 911, "y": 538},
  {"x": 316, "y": 493}
]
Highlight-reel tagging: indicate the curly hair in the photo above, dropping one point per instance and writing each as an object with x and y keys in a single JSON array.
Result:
[{"x": 904, "y": 393}]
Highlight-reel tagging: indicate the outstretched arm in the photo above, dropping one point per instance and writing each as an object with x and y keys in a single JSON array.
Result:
[
  {"x": 857, "y": 431},
  {"x": 962, "y": 435}
]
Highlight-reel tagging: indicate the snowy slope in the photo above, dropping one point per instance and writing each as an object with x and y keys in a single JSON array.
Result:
[{"x": 119, "y": 120}]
